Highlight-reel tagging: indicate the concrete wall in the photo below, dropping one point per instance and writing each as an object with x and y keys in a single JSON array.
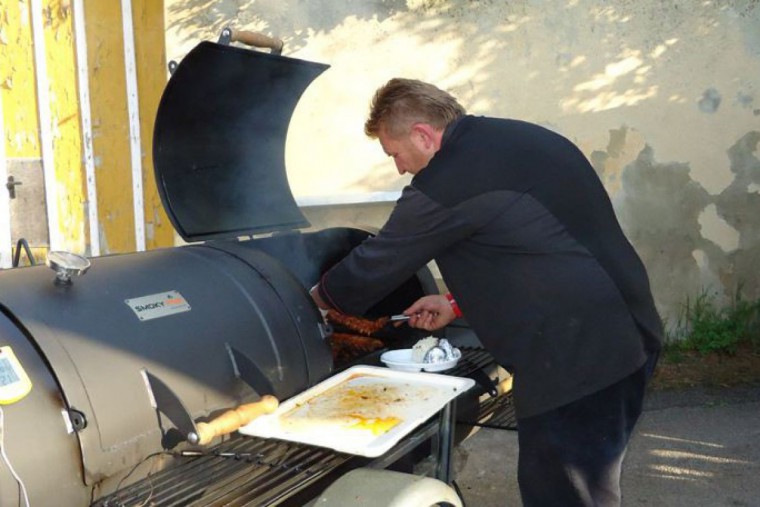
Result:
[{"x": 663, "y": 97}]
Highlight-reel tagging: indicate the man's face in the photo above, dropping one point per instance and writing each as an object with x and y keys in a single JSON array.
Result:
[{"x": 411, "y": 153}]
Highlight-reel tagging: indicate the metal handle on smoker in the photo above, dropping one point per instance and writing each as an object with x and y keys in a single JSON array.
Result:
[
  {"x": 254, "y": 39},
  {"x": 233, "y": 420}
]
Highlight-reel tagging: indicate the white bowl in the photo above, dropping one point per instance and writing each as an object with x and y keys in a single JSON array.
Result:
[{"x": 401, "y": 359}]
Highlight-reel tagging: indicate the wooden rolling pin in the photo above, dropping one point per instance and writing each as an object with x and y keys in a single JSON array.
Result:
[{"x": 234, "y": 419}]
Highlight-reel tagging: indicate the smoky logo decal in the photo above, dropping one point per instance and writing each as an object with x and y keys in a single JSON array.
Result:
[{"x": 158, "y": 305}]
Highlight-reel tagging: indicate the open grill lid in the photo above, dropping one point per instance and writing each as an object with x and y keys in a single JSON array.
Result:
[{"x": 219, "y": 141}]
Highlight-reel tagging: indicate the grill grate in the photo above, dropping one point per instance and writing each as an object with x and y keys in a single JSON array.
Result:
[
  {"x": 472, "y": 359},
  {"x": 235, "y": 473},
  {"x": 252, "y": 471},
  {"x": 497, "y": 413},
  {"x": 494, "y": 412}
]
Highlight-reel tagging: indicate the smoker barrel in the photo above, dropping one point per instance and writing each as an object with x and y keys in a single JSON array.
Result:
[
  {"x": 126, "y": 359},
  {"x": 174, "y": 314}
]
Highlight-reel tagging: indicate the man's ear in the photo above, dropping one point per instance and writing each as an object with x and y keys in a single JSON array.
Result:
[{"x": 428, "y": 136}]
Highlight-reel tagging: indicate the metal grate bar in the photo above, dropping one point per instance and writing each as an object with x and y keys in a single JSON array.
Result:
[
  {"x": 498, "y": 413},
  {"x": 298, "y": 467},
  {"x": 472, "y": 359},
  {"x": 278, "y": 486},
  {"x": 205, "y": 479},
  {"x": 200, "y": 473}
]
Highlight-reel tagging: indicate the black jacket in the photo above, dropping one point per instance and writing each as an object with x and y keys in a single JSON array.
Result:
[{"x": 526, "y": 239}]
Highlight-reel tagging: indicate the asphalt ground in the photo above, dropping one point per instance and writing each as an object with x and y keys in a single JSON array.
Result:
[{"x": 691, "y": 448}]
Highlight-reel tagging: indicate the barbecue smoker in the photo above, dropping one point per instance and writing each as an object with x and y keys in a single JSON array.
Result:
[{"x": 126, "y": 360}]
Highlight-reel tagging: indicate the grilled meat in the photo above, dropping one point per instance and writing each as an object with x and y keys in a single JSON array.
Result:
[{"x": 358, "y": 324}]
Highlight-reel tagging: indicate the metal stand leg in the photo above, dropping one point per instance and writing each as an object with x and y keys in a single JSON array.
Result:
[
  {"x": 441, "y": 436},
  {"x": 445, "y": 442}
]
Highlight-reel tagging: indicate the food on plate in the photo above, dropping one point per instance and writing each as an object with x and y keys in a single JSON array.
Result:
[
  {"x": 377, "y": 425},
  {"x": 434, "y": 350},
  {"x": 421, "y": 348},
  {"x": 358, "y": 324},
  {"x": 359, "y": 404}
]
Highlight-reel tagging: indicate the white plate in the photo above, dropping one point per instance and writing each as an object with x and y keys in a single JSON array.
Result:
[
  {"x": 327, "y": 414},
  {"x": 401, "y": 359}
]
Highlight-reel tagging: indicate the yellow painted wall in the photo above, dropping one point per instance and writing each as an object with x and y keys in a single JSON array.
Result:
[
  {"x": 108, "y": 106},
  {"x": 110, "y": 119},
  {"x": 148, "y": 21},
  {"x": 17, "y": 82},
  {"x": 18, "y": 89},
  {"x": 20, "y": 107},
  {"x": 110, "y": 126},
  {"x": 65, "y": 125}
]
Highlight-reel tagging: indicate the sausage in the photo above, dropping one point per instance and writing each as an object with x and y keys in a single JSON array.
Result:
[
  {"x": 358, "y": 324},
  {"x": 357, "y": 343}
]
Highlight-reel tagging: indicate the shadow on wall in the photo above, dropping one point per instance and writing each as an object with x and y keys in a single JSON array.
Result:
[
  {"x": 294, "y": 21},
  {"x": 588, "y": 56},
  {"x": 580, "y": 67},
  {"x": 635, "y": 63}
]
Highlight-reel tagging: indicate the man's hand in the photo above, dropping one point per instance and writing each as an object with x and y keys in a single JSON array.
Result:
[{"x": 430, "y": 312}]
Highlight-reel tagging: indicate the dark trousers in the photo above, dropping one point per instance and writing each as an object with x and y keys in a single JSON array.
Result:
[{"x": 572, "y": 455}]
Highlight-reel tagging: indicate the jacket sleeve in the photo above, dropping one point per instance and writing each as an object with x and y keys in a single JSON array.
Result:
[{"x": 417, "y": 230}]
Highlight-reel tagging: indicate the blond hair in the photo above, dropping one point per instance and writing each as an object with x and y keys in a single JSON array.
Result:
[{"x": 400, "y": 103}]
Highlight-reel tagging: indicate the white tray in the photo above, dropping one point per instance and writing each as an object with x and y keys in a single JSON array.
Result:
[{"x": 342, "y": 411}]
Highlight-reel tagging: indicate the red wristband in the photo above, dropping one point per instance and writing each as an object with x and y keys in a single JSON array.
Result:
[{"x": 454, "y": 305}]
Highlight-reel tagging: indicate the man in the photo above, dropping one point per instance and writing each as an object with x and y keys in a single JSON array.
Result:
[{"x": 527, "y": 241}]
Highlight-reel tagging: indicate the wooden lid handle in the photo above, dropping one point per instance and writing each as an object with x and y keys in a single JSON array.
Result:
[
  {"x": 257, "y": 39},
  {"x": 234, "y": 419}
]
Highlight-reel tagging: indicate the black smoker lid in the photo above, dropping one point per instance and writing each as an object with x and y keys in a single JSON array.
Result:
[{"x": 219, "y": 141}]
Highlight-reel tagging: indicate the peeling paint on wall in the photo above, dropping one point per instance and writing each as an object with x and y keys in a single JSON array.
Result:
[
  {"x": 739, "y": 205},
  {"x": 17, "y": 82},
  {"x": 708, "y": 275},
  {"x": 151, "y": 79},
  {"x": 689, "y": 239},
  {"x": 658, "y": 207},
  {"x": 623, "y": 147},
  {"x": 20, "y": 119},
  {"x": 65, "y": 125},
  {"x": 717, "y": 230},
  {"x": 710, "y": 101}
]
